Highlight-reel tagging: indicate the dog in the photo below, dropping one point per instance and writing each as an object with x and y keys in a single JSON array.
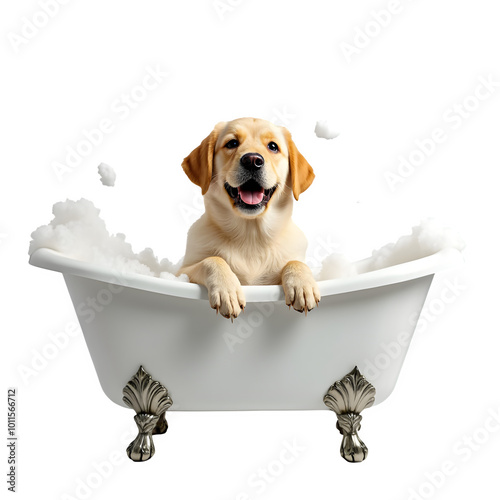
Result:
[{"x": 248, "y": 170}]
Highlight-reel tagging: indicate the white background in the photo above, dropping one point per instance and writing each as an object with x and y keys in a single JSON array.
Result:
[{"x": 284, "y": 61}]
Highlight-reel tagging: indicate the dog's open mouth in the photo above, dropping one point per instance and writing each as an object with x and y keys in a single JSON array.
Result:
[{"x": 250, "y": 194}]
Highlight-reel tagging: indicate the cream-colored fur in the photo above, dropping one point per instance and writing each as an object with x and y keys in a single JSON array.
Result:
[{"x": 228, "y": 247}]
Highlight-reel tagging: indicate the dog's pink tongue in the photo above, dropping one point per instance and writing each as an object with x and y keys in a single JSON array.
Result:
[{"x": 252, "y": 197}]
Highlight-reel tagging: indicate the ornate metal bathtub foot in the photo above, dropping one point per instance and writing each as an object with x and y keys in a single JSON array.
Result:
[
  {"x": 150, "y": 400},
  {"x": 161, "y": 426},
  {"x": 348, "y": 398}
]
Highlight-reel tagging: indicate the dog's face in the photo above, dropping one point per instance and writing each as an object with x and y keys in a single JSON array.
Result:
[{"x": 250, "y": 162}]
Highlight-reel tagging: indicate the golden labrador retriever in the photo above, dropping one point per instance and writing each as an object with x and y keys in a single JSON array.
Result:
[{"x": 248, "y": 169}]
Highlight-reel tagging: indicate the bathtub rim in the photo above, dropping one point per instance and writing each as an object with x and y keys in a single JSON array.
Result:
[{"x": 53, "y": 260}]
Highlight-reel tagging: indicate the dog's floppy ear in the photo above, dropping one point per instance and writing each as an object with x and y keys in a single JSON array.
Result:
[
  {"x": 198, "y": 164},
  {"x": 301, "y": 172}
]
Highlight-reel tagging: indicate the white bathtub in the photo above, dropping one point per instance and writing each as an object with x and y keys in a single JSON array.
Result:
[{"x": 270, "y": 358}]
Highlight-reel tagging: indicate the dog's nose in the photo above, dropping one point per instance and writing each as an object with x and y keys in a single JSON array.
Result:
[{"x": 252, "y": 161}]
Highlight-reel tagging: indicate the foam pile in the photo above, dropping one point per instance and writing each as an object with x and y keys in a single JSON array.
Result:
[
  {"x": 78, "y": 231},
  {"x": 425, "y": 239}
]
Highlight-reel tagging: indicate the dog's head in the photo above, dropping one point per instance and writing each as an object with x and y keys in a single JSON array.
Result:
[{"x": 250, "y": 162}]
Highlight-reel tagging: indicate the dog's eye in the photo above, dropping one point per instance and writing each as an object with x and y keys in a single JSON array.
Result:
[
  {"x": 273, "y": 147},
  {"x": 233, "y": 143}
]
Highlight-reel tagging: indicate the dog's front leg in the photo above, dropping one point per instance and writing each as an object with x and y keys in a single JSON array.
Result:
[
  {"x": 301, "y": 290},
  {"x": 224, "y": 288}
]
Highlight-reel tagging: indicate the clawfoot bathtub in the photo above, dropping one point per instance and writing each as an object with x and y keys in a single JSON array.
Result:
[{"x": 156, "y": 344}]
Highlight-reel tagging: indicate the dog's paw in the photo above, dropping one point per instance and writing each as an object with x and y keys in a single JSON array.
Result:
[
  {"x": 301, "y": 291},
  {"x": 227, "y": 298}
]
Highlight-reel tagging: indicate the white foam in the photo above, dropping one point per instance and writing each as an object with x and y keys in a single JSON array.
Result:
[
  {"x": 425, "y": 239},
  {"x": 169, "y": 276},
  {"x": 334, "y": 266},
  {"x": 108, "y": 175},
  {"x": 325, "y": 131},
  {"x": 78, "y": 231}
]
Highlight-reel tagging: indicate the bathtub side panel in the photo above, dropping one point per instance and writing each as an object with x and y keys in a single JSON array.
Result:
[{"x": 270, "y": 358}]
